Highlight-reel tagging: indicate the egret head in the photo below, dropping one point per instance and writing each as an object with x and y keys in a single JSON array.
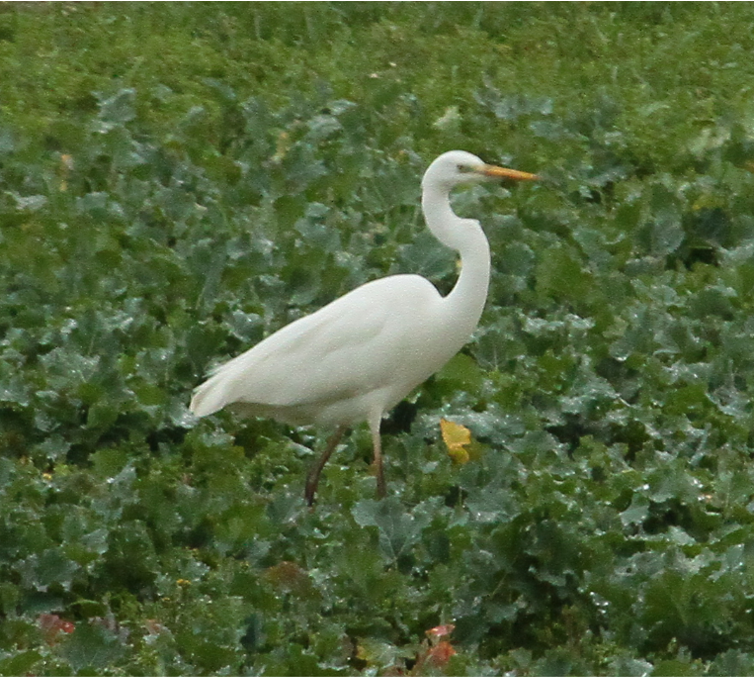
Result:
[{"x": 457, "y": 167}]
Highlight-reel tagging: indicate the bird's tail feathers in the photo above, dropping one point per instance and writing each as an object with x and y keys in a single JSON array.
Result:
[{"x": 208, "y": 398}]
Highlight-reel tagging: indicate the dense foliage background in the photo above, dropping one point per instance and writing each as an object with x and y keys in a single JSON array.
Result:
[{"x": 179, "y": 179}]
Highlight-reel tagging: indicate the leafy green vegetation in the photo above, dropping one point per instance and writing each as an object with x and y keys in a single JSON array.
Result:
[{"x": 177, "y": 180}]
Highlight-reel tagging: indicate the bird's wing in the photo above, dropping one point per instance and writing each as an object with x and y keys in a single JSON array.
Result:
[{"x": 349, "y": 347}]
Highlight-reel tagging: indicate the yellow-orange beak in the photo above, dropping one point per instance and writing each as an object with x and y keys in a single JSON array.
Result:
[{"x": 505, "y": 173}]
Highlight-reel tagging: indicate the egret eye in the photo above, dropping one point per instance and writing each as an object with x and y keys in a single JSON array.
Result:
[{"x": 464, "y": 169}]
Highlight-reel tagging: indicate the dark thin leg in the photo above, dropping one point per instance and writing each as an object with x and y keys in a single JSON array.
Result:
[
  {"x": 313, "y": 479},
  {"x": 377, "y": 444}
]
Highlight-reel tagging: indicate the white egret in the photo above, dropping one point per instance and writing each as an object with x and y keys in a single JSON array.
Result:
[{"x": 357, "y": 357}]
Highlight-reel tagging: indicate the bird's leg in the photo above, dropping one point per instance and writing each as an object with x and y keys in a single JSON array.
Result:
[
  {"x": 313, "y": 479},
  {"x": 377, "y": 443}
]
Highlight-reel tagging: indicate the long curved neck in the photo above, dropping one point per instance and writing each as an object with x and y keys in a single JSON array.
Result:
[{"x": 466, "y": 301}]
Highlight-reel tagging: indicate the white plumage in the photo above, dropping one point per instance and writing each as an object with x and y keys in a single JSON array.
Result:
[{"x": 357, "y": 357}]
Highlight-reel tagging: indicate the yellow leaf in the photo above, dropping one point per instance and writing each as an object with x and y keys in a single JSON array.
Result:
[{"x": 456, "y": 437}]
